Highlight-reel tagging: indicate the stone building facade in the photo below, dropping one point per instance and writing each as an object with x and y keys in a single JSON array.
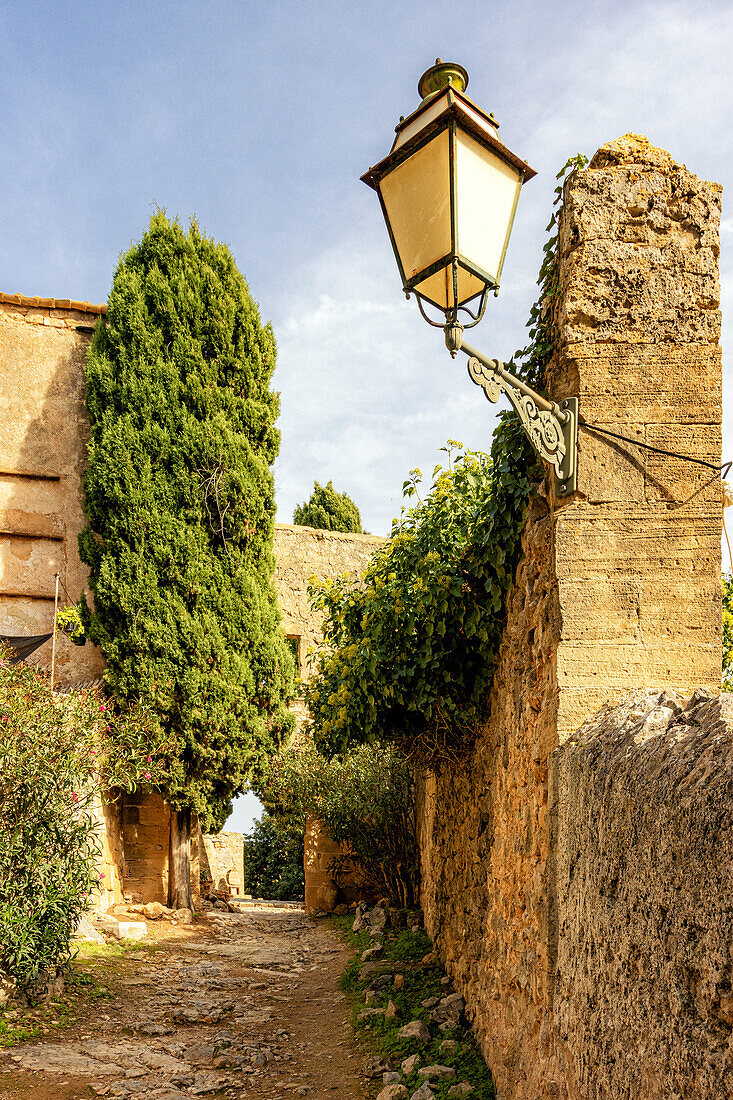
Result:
[
  {"x": 619, "y": 588},
  {"x": 43, "y": 441}
]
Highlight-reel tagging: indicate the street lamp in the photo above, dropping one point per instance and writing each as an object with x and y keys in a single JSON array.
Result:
[{"x": 449, "y": 189}]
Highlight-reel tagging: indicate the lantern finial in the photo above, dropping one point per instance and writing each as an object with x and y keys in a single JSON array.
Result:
[{"x": 440, "y": 75}]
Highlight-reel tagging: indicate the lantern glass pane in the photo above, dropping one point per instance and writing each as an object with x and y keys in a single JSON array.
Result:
[
  {"x": 416, "y": 196},
  {"x": 438, "y": 288},
  {"x": 487, "y": 189}
]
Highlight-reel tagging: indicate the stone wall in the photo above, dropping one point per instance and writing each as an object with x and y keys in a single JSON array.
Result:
[
  {"x": 642, "y": 997},
  {"x": 302, "y": 553},
  {"x": 619, "y": 586},
  {"x": 146, "y": 828}
]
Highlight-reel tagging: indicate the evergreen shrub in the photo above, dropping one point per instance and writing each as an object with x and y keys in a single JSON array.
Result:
[{"x": 273, "y": 862}]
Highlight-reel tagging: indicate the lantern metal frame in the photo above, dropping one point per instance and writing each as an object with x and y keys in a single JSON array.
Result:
[{"x": 551, "y": 427}]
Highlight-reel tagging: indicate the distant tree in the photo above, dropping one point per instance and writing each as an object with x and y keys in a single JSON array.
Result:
[
  {"x": 329, "y": 511},
  {"x": 273, "y": 862},
  {"x": 180, "y": 516}
]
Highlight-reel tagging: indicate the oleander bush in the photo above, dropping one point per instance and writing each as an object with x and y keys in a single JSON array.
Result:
[{"x": 56, "y": 752}]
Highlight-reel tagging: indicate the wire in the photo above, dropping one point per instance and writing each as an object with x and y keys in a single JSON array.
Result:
[{"x": 656, "y": 450}]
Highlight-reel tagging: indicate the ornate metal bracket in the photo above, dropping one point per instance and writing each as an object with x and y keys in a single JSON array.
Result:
[{"x": 552, "y": 428}]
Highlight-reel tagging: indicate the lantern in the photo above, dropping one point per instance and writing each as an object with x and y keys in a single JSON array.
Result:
[{"x": 449, "y": 189}]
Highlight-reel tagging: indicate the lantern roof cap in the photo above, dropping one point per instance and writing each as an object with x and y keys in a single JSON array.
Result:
[{"x": 436, "y": 109}]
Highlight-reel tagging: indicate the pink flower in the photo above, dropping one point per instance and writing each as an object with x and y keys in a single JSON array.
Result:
[
  {"x": 93, "y": 752},
  {"x": 149, "y": 759},
  {"x": 101, "y": 875},
  {"x": 107, "y": 729},
  {"x": 102, "y": 706},
  {"x": 74, "y": 797},
  {"x": 147, "y": 775}
]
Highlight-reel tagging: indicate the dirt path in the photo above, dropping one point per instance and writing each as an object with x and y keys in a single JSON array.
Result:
[{"x": 243, "y": 1004}]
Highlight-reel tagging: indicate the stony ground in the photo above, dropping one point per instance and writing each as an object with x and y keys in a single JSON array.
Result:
[{"x": 242, "y": 1004}]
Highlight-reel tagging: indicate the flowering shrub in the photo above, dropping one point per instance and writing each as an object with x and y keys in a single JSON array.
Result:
[
  {"x": 56, "y": 751},
  {"x": 409, "y": 651}
]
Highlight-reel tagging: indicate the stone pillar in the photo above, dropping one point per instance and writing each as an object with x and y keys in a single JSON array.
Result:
[
  {"x": 637, "y": 553},
  {"x": 320, "y": 889},
  {"x": 619, "y": 587}
]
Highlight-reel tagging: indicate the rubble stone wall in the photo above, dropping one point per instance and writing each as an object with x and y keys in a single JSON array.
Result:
[{"x": 619, "y": 587}]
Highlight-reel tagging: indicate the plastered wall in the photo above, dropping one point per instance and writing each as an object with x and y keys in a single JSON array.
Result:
[
  {"x": 619, "y": 587},
  {"x": 43, "y": 436}
]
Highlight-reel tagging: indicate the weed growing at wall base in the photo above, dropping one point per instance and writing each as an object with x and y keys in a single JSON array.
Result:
[{"x": 420, "y": 985}]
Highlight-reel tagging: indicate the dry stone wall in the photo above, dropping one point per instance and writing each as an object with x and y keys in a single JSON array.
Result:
[
  {"x": 619, "y": 586},
  {"x": 644, "y": 839}
]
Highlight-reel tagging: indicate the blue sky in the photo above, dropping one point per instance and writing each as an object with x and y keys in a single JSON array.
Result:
[{"x": 259, "y": 119}]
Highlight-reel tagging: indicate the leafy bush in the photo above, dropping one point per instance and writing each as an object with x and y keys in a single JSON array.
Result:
[
  {"x": 365, "y": 801},
  {"x": 273, "y": 862},
  {"x": 55, "y": 752},
  {"x": 69, "y": 620},
  {"x": 409, "y": 650},
  {"x": 328, "y": 511}
]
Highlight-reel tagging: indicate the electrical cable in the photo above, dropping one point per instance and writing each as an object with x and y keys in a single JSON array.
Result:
[{"x": 656, "y": 450}]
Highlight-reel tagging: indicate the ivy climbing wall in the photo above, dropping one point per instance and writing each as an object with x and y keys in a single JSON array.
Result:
[{"x": 619, "y": 588}]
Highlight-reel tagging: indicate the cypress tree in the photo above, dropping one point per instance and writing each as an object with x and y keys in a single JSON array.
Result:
[
  {"x": 180, "y": 510},
  {"x": 328, "y": 510}
]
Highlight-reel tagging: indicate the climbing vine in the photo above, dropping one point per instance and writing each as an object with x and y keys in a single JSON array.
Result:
[
  {"x": 727, "y": 585},
  {"x": 410, "y": 650}
]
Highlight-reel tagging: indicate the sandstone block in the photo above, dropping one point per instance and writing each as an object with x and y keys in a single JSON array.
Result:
[
  {"x": 394, "y": 1091},
  {"x": 417, "y": 1030},
  {"x": 436, "y": 1073}
]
